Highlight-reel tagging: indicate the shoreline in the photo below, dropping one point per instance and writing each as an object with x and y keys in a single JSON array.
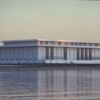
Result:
[{"x": 51, "y": 66}]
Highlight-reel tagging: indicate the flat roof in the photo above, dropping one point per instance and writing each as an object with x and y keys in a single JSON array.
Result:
[
  {"x": 32, "y": 40},
  {"x": 28, "y": 40}
]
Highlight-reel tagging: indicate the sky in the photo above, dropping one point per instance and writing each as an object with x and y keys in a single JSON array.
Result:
[{"x": 71, "y": 20}]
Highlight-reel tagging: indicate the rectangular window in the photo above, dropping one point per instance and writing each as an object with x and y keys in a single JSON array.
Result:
[
  {"x": 65, "y": 53},
  {"x": 65, "y": 43},
  {"x": 41, "y": 42},
  {"x": 90, "y": 54},
  {"x": 82, "y": 54},
  {"x": 78, "y": 57},
  {"x": 47, "y": 53},
  {"x": 59, "y": 43},
  {"x": 46, "y": 42},
  {"x": 77, "y": 54},
  {"x": 72, "y": 43},
  {"x": 52, "y": 53},
  {"x": 76, "y": 43},
  {"x": 86, "y": 54}
]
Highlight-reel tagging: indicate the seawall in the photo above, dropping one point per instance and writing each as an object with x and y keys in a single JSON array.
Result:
[{"x": 46, "y": 66}]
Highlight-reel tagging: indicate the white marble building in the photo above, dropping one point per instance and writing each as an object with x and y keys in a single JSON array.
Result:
[{"x": 45, "y": 51}]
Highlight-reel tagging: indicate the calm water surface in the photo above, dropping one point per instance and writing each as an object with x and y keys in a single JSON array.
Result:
[{"x": 50, "y": 84}]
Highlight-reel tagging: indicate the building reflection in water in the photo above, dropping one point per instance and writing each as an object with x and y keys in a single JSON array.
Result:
[
  {"x": 50, "y": 84},
  {"x": 65, "y": 84},
  {"x": 84, "y": 83}
]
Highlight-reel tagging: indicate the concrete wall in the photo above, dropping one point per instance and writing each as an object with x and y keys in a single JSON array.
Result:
[
  {"x": 41, "y": 54},
  {"x": 96, "y": 54},
  {"x": 37, "y": 54},
  {"x": 72, "y": 56},
  {"x": 59, "y": 53},
  {"x": 20, "y": 43},
  {"x": 18, "y": 55}
]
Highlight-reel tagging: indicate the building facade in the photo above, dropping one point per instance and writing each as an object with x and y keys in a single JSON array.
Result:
[{"x": 44, "y": 51}]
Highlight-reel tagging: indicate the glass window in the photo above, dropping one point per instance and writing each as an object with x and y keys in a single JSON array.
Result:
[
  {"x": 84, "y": 44},
  {"x": 76, "y": 43},
  {"x": 96, "y": 44},
  {"x": 46, "y": 42},
  {"x": 72, "y": 43},
  {"x": 66, "y": 43},
  {"x": 41, "y": 42},
  {"x": 59, "y": 43}
]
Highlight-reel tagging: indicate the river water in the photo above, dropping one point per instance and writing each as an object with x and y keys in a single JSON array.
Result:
[{"x": 50, "y": 84}]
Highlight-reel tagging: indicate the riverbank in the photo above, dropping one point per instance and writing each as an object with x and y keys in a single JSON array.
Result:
[{"x": 51, "y": 66}]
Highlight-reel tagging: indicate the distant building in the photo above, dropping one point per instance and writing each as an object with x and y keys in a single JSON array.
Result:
[{"x": 43, "y": 51}]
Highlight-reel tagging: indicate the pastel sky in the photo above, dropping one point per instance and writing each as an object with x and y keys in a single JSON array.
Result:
[{"x": 69, "y": 20}]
